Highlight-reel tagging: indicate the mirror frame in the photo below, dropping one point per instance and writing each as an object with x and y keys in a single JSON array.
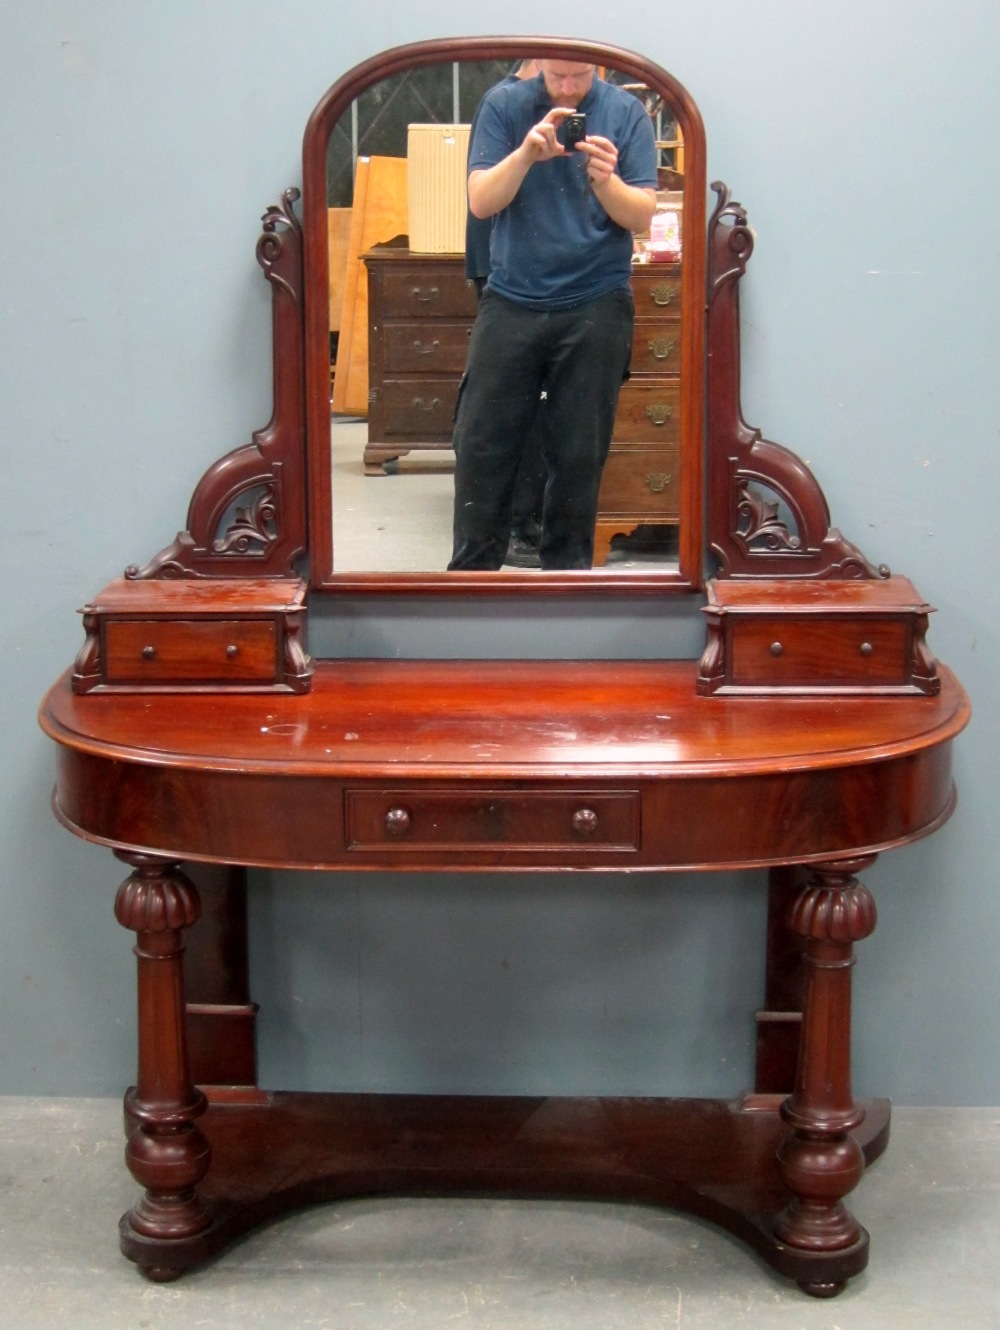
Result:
[{"x": 687, "y": 576}]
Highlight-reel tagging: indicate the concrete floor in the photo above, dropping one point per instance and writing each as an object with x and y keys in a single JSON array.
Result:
[{"x": 932, "y": 1205}]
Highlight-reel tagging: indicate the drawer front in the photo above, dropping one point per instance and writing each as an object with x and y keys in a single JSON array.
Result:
[
  {"x": 458, "y": 819},
  {"x": 417, "y": 408},
  {"x": 420, "y": 295},
  {"x": 185, "y": 650},
  {"x": 656, "y": 348},
  {"x": 641, "y": 482},
  {"x": 804, "y": 651},
  {"x": 426, "y": 348},
  {"x": 648, "y": 412},
  {"x": 655, "y": 292}
]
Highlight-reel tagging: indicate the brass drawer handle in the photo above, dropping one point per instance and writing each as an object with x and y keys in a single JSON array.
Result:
[
  {"x": 663, "y": 294},
  {"x": 659, "y": 413},
  {"x": 661, "y": 349},
  {"x": 420, "y": 405},
  {"x": 422, "y": 350},
  {"x": 397, "y": 822},
  {"x": 585, "y": 822},
  {"x": 425, "y": 295},
  {"x": 657, "y": 481}
]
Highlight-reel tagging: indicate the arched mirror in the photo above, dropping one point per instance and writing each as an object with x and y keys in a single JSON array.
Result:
[{"x": 389, "y": 309}]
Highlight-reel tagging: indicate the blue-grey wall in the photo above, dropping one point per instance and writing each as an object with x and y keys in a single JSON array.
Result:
[{"x": 140, "y": 145}]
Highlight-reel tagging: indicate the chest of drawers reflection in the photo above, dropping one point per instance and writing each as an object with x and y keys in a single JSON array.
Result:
[{"x": 422, "y": 308}]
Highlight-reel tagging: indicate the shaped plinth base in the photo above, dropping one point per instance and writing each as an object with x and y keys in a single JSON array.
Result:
[{"x": 711, "y": 1158}]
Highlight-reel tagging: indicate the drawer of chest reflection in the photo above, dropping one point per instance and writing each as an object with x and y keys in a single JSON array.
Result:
[
  {"x": 459, "y": 819},
  {"x": 641, "y": 480},
  {"x": 185, "y": 650},
  {"x": 427, "y": 295},
  {"x": 416, "y": 408},
  {"x": 804, "y": 651},
  {"x": 656, "y": 348},
  {"x": 655, "y": 291},
  {"x": 648, "y": 412},
  {"x": 422, "y": 348}
]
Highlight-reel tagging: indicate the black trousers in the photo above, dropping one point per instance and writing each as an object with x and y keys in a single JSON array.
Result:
[{"x": 580, "y": 356}]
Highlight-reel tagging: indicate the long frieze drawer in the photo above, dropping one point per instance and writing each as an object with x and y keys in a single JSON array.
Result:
[
  {"x": 656, "y": 348},
  {"x": 648, "y": 412},
  {"x": 501, "y": 819},
  {"x": 656, "y": 292},
  {"x": 641, "y": 480},
  {"x": 187, "y": 650},
  {"x": 425, "y": 294},
  {"x": 421, "y": 348},
  {"x": 788, "y": 652}
]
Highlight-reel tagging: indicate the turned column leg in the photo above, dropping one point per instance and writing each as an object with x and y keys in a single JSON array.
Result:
[
  {"x": 820, "y": 1161},
  {"x": 166, "y": 1152}
]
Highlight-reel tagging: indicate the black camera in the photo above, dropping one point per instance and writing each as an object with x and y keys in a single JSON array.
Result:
[{"x": 574, "y": 130}]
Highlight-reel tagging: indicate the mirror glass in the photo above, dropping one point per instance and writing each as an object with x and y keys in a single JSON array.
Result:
[{"x": 398, "y": 306}]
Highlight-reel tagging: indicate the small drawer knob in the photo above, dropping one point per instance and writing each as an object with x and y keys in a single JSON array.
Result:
[
  {"x": 149, "y": 653},
  {"x": 232, "y": 651},
  {"x": 585, "y": 822},
  {"x": 397, "y": 822},
  {"x": 776, "y": 649},
  {"x": 866, "y": 648}
]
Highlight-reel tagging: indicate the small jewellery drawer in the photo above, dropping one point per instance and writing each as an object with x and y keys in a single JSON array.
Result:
[
  {"x": 461, "y": 819},
  {"x": 847, "y": 651},
  {"x": 423, "y": 294},
  {"x": 641, "y": 480},
  {"x": 421, "y": 348},
  {"x": 648, "y": 412},
  {"x": 178, "y": 650}
]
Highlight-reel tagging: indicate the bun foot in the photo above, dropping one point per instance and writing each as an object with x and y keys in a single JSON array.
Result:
[{"x": 820, "y": 1289}]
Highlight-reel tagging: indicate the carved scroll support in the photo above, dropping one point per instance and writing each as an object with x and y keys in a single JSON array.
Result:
[
  {"x": 247, "y": 516},
  {"x": 821, "y": 1161},
  {"x": 166, "y": 1152},
  {"x": 767, "y": 516}
]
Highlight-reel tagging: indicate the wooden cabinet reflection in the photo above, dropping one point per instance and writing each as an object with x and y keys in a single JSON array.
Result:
[{"x": 421, "y": 310}]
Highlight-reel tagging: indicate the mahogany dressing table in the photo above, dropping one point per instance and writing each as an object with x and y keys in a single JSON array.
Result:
[{"x": 196, "y": 737}]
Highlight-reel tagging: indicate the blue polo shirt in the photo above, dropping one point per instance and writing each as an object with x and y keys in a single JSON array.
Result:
[{"x": 554, "y": 246}]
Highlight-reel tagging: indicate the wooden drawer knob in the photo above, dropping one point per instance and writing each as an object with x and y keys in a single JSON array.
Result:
[
  {"x": 397, "y": 822},
  {"x": 585, "y": 822}
]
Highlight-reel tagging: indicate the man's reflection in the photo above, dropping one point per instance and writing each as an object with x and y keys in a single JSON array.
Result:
[
  {"x": 529, "y": 481},
  {"x": 557, "y": 309}
]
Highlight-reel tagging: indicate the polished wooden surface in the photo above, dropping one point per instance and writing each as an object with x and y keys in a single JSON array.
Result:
[{"x": 859, "y": 775}]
